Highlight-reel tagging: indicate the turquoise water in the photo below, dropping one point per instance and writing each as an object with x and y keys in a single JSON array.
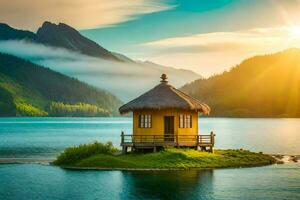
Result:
[
  {"x": 32, "y": 181},
  {"x": 43, "y": 138}
]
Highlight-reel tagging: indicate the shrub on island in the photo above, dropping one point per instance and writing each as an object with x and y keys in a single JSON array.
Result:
[{"x": 74, "y": 154}]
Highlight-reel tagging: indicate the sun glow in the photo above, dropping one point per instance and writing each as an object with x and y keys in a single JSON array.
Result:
[{"x": 295, "y": 31}]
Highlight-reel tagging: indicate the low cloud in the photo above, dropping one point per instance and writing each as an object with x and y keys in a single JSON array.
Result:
[
  {"x": 223, "y": 41},
  {"x": 30, "y": 14},
  {"x": 125, "y": 80},
  {"x": 201, "y": 48}
]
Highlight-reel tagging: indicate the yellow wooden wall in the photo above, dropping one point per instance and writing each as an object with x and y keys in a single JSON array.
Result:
[{"x": 158, "y": 122}]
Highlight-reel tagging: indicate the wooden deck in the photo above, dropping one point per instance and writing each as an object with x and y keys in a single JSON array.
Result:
[{"x": 136, "y": 142}]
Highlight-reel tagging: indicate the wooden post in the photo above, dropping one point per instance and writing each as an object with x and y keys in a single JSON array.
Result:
[
  {"x": 122, "y": 143},
  {"x": 124, "y": 149},
  {"x": 177, "y": 141},
  {"x": 212, "y": 139},
  {"x": 197, "y": 142},
  {"x": 122, "y": 138}
]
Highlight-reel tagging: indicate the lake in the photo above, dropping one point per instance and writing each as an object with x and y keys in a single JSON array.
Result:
[
  {"x": 44, "y": 138},
  {"x": 32, "y": 181}
]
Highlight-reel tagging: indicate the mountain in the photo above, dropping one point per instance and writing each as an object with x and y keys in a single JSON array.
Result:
[
  {"x": 27, "y": 89},
  {"x": 123, "y": 58},
  {"x": 9, "y": 33},
  {"x": 62, "y": 35},
  {"x": 262, "y": 86},
  {"x": 63, "y": 49}
]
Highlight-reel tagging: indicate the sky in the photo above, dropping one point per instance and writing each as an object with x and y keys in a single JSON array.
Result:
[{"x": 205, "y": 36}]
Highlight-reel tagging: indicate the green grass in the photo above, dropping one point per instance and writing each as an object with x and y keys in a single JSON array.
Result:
[{"x": 167, "y": 159}]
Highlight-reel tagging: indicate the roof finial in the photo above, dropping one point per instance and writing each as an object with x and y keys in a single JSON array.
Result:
[{"x": 164, "y": 78}]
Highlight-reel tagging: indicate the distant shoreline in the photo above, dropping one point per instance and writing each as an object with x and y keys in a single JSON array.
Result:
[
  {"x": 11, "y": 160},
  {"x": 25, "y": 161}
]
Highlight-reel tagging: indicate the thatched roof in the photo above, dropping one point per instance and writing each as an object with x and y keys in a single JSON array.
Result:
[{"x": 165, "y": 96}]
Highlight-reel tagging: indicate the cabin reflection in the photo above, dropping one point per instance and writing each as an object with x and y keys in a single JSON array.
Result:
[{"x": 192, "y": 184}]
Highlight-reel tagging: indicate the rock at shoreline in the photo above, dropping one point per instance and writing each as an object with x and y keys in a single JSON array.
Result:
[
  {"x": 281, "y": 159},
  {"x": 293, "y": 158}
]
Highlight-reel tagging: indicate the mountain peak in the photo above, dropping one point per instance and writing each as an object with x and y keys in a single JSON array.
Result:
[
  {"x": 47, "y": 23},
  {"x": 63, "y": 35},
  {"x": 49, "y": 26},
  {"x": 60, "y": 35}
]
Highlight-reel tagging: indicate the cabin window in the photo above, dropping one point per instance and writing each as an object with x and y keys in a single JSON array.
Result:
[
  {"x": 145, "y": 121},
  {"x": 185, "y": 121}
]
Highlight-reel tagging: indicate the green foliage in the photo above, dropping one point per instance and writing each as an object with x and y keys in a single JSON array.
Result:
[
  {"x": 23, "y": 81},
  {"x": 24, "y": 109},
  {"x": 7, "y": 106},
  {"x": 262, "y": 86},
  {"x": 169, "y": 159},
  {"x": 77, "y": 153},
  {"x": 76, "y": 110}
]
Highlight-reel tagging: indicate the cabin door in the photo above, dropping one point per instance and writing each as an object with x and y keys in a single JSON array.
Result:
[{"x": 169, "y": 128}]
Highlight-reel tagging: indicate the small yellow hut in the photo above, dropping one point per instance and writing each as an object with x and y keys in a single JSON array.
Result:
[{"x": 165, "y": 116}]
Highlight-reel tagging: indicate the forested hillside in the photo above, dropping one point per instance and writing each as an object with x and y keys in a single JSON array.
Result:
[
  {"x": 78, "y": 56},
  {"x": 262, "y": 86},
  {"x": 27, "y": 89}
]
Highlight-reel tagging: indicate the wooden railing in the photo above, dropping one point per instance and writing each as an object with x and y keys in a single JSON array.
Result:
[{"x": 172, "y": 140}]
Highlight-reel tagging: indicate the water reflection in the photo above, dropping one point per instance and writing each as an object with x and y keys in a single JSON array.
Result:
[
  {"x": 32, "y": 181},
  {"x": 193, "y": 184}
]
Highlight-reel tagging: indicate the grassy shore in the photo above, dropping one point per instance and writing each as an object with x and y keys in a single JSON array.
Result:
[{"x": 98, "y": 155}]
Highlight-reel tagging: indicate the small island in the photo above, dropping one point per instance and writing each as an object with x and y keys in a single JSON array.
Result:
[
  {"x": 165, "y": 137},
  {"x": 105, "y": 156}
]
